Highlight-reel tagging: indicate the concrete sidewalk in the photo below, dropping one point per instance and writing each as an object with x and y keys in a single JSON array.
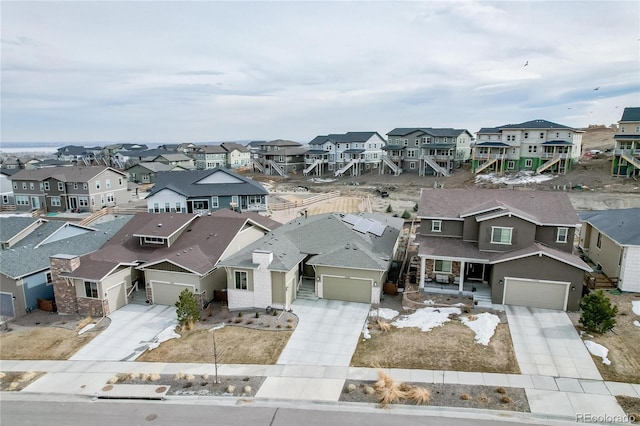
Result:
[{"x": 558, "y": 397}]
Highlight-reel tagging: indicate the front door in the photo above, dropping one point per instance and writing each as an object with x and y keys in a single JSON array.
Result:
[
  {"x": 475, "y": 271},
  {"x": 35, "y": 202},
  {"x": 72, "y": 203}
]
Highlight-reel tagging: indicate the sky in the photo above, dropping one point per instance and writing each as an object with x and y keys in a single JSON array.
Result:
[{"x": 169, "y": 72}]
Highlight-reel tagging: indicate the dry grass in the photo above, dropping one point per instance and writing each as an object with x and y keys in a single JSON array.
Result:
[
  {"x": 465, "y": 397},
  {"x": 82, "y": 323},
  {"x": 631, "y": 406},
  {"x": 383, "y": 326},
  {"x": 451, "y": 347},
  {"x": 389, "y": 391},
  {"x": 419, "y": 395},
  {"x": 236, "y": 345},
  {"x": 42, "y": 343},
  {"x": 17, "y": 380},
  {"x": 506, "y": 400}
]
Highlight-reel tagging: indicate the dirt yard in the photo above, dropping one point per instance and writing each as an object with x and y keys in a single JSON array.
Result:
[
  {"x": 631, "y": 406},
  {"x": 623, "y": 341}
]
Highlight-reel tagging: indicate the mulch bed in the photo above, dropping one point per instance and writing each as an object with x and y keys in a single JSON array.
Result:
[
  {"x": 451, "y": 395},
  {"x": 200, "y": 385},
  {"x": 257, "y": 319}
]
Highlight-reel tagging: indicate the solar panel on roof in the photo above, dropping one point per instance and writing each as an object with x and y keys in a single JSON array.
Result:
[
  {"x": 377, "y": 229},
  {"x": 363, "y": 226},
  {"x": 351, "y": 219}
]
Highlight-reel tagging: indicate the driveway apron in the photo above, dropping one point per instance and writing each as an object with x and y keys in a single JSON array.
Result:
[
  {"x": 327, "y": 332},
  {"x": 131, "y": 330},
  {"x": 547, "y": 344}
]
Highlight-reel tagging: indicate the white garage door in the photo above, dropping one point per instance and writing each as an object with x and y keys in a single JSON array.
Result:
[
  {"x": 536, "y": 293},
  {"x": 350, "y": 290},
  {"x": 167, "y": 294},
  {"x": 117, "y": 297}
]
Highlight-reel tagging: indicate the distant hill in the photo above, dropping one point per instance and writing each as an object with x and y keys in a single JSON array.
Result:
[{"x": 596, "y": 137}]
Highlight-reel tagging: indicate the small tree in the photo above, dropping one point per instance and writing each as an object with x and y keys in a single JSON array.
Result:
[
  {"x": 598, "y": 315},
  {"x": 389, "y": 208},
  {"x": 415, "y": 208},
  {"x": 187, "y": 309},
  {"x": 406, "y": 215}
]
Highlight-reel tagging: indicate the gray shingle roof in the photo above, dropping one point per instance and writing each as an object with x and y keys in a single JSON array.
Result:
[
  {"x": 10, "y": 226},
  {"x": 153, "y": 166},
  {"x": 63, "y": 174},
  {"x": 432, "y": 131},
  {"x": 631, "y": 114},
  {"x": 185, "y": 183},
  {"x": 25, "y": 258},
  {"x": 344, "y": 137},
  {"x": 537, "y": 124},
  {"x": 621, "y": 225},
  {"x": 230, "y": 146}
]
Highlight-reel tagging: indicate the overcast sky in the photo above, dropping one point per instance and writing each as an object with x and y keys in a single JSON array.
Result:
[{"x": 214, "y": 71}]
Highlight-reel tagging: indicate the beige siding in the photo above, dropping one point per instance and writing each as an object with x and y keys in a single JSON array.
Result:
[
  {"x": 607, "y": 255},
  {"x": 241, "y": 240}
]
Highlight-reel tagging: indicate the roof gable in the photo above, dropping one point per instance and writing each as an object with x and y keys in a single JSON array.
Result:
[
  {"x": 219, "y": 176},
  {"x": 630, "y": 114}
]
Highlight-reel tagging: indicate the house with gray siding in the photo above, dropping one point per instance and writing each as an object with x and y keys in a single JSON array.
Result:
[
  {"x": 517, "y": 242},
  {"x": 351, "y": 153},
  {"x": 626, "y": 155}
]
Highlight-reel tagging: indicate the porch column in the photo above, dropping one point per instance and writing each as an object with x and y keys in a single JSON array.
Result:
[
  {"x": 423, "y": 265},
  {"x": 460, "y": 284}
]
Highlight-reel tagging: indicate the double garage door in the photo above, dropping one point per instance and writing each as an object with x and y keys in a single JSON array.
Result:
[
  {"x": 536, "y": 293},
  {"x": 350, "y": 290},
  {"x": 167, "y": 294}
]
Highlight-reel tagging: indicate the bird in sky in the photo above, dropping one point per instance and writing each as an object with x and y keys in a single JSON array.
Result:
[
  {"x": 526, "y": 63},
  {"x": 597, "y": 88}
]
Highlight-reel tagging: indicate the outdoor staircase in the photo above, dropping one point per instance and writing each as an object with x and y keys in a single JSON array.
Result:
[
  {"x": 548, "y": 164},
  {"x": 342, "y": 170},
  {"x": 275, "y": 166},
  {"x": 315, "y": 164},
  {"x": 482, "y": 300},
  {"x": 257, "y": 165},
  {"x": 307, "y": 290},
  {"x": 138, "y": 297},
  {"x": 631, "y": 160},
  {"x": 393, "y": 166},
  {"x": 436, "y": 167},
  {"x": 485, "y": 165}
]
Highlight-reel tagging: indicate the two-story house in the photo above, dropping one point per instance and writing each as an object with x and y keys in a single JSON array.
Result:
[
  {"x": 80, "y": 188},
  {"x": 279, "y": 157},
  {"x": 238, "y": 156},
  {"x": 338, "y": 154},
  {"x": 203, "y": 191},
  {"x": 518, "y": 242},
  {"x": 537, "y": 145},
  {"x": 210, "y": 157},
  {"x": 626, "y": 155},
  {"x": 7, "y": 201},
  {"x": 427, "y": 150}
]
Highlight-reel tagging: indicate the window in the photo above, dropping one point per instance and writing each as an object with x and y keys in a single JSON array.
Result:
[
  {"x": 102, "y": 199},
  {"x": 5, "y": 199},
  {"x": 528, "y": 162},
  {"x": 107, "y": 183},
  {"x": 22, "y": 200},
  {"x": 557, "y": 134},
  {"x": 501, "y": 235},
  {"x": 167, "y": 207},
  {"x": 84, "y": 185},
  {"x": 214, "y": 202},
  {"x": 75, "y": 185},
  {"x": 411, "y": 153},
  {"x": 55, "y": 201},
  {"x": 637, "y": 129},
  {"x": 406, "y": 142},
  {"x": 442, "y": 266},
  {"x": 569, "y": 134},
  {"x": 240, "y": 279},
  {"x": 49, "y": 278},
  {"x": 32, "y": 186},
  {"x": 178, "y": 207},
  {"x": 91, "y": 289},
  {"x": 622, "y": 129},
  {"x": 154, "y": 240},
  {"x": 526, "y": 135},
  {"x": 562, "y": 235},
  {"x": 436, "y": 226},
  {"x": 15, "y": 185},
  {"x": 533, "y": 148},
  {"x": 119, "y": 181},
  {"x": 412, "y": 165},
  {"x": 599, "y": 241},
  {"x": 541, "y": 135},
  {"x": 511, "y": 164},
  {"x": 24, "y": 185},
  {"x": 156, "y": 208},
  {"x": 110, "y": 198},
  {"x": 83, "y": 201}
]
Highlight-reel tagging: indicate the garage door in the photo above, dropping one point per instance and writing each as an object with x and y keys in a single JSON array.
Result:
[
  {"x": 167, "y": 294},
  {"x": 346, "y": 289},
  {"x": 536, "y": 293},
  {"x": 117, "y": 297}
]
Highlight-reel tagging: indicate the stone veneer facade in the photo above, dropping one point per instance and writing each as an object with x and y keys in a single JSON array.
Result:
[{"x": 65, "y": 294}]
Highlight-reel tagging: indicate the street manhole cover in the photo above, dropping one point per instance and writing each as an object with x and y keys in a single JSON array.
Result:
[
  {"x": 161, "y": 389},
  {"x": 107, "y": 388},
  {"x": 151, "y": 417}
]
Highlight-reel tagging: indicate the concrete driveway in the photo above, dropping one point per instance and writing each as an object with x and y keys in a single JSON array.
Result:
[
  {"x": 131, "y": 329},
  {"x": 547, "y": 344},
  {"x": 327, "y": 332}
]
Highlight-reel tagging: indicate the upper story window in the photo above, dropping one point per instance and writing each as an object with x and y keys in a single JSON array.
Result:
[
  {"x": 406, "y": 142},
  {"x": 533, "y": 148},
  {"x": 526, "y": 135},
  {"x": 240, "y": 280},
  {"x": 599, "y": 241},
  {"x": 622, "y": 129},
  {"x": 84, "y": 185},
  {"x": 557, "y": 134},
  {"x": 32, "y": 186},
  {"x": 153, "y": 240},
  {"x": 501, "y": 235},
  {"x": 569, "y": 134},
  {"x": 562, "y": 235},
  {"x": 60, "y": 186},
  {"x": 436, "y": 226},
  {"x": 24, "y": 185},
  {"x": 637, "y": 129},
  {"x": 75, "y": 185},
  {"x": 107, "y": 183},
  {"x": 541, "y": 135},
  {"x": 97, "y": 184},
  {"x": 15, "y": 185}
]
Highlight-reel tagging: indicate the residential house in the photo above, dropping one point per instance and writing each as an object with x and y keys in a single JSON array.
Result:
[
  {"x": 279, "y": 157},
  {"x": 73, "y": 153},
  {"x": 145, "y": 172},
  {"x": 154, "y": 257},
  {"x": 427, "y": 150},
  {"x": 210, "y": 157},
  {"x": 27, "y": 244},
  {"x": 48, "y": 162},
  {"x": 611, "y": 240},
  {"x": 12, "y": 163},
  {"x": 330, "y": 256},
  {"x": 58, "y": 189},
  {"x": 537, "y": 145},
  {"x": 353, "y": 152},
  {"x": 177, "y": 159},
  {"x": 238, "y": 156},
  {"x": 7, "y": 201},
  {"x": 518, "y": 242},
  {"x": 626, "y": 155},
  {"x": 202, "y": 191}
]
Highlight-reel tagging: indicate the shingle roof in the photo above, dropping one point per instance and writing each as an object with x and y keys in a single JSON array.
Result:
[
  {"x": 185, "y": 183},
  {"x": 211, "y": 149},
  {"x": 281, "y": 142},
  {"x": 72, "y": 150},
  {"x": 548, "y": 208},
  {"x": 433, "y": 131},
  {"x": 536, "y": 124},
  {"x": 10, "y": 226},
  {"x": 63, "y": 174},
  {"x": 631, "y": 114},
  {"x": 153, "y": 166},
  {"x": 29, "y": 257},
  {"x": 259, "y": 219},
  {"x": 344, "y": 137},
  {"x": 621, "y": 225},
  {"x": 230, "y": 146},
  {"x": 489, "y": 130}
]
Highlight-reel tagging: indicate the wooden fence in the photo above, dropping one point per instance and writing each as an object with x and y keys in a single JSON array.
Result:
[{"x": 303, "y": 202}]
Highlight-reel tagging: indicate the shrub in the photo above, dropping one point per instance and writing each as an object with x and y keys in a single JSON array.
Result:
[
  {"x": 501, "y": 390},
  {"x": 389, "y": 209},
  {"x": 415, "y": 207},
  {"x": 275, "y": 313},
  {"x": 187, "y": 309},
  {"x": 465, "y": 397},
  {"x": 597, "y": 313},
  {"x": 419, "y": 395},
  {"x": 406, "y": 215},
  {"x": 257, "y": 314},
  {"x": 239, "y": 314},
  {"x": 506, "y": 400}
]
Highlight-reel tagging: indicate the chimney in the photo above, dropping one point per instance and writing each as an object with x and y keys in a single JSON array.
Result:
[
  {"x": 262, "y": 257},
  {"x": 65, "y": 294}
]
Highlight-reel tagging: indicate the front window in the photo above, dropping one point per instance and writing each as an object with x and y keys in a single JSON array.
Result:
[
  {"x": 563, "y": 235},
  {"x": 110, "y": 198},
  {"x": 83, "y": 201},
  {"x": 501, "y": 235},
  {"x": 55, "y": 201},
  {"x": 22, "y": 200},
  {"x": 60, "y": 186},
  {"x": 49, "y": 278},
  {"x": 156, "y": 208},
  {"x": 436, "y": 226},
  {"x": 528, "y": 162},
  {"x": 167, "y": 207},
  {"x": 97, "y": 184},
  {"x": 107, "y": 183},
  {"x": 214, "y": 202},
  {"x": 91, "y": 289},
  {"x": 178, "y": 207},
  {"x": 240, "y": 280},
  {"x": 443, "y": 266}
]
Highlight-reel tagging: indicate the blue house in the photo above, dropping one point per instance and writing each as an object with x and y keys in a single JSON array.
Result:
[{"x": 202, "y": 191}]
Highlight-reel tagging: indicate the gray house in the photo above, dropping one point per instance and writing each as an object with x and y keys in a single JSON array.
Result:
[
  {"x": 519, "y": 243},
  {"x": 201, "y": 191}
]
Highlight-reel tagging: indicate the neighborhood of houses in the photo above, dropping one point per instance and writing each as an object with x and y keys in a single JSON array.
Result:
[{"x": 204, "y": 227}]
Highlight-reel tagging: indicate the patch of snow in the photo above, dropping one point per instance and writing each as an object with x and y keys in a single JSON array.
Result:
[
  {"x": 426, "y": 319},
  {"x": 459, "y": 304},
  {"x": 635, "y": 306},
  {"x": 519, "y": 178},
  {"x": 429, "y": 302},
  {"x": 384, "y": 313},
  {"x": 484, "y": 326},
  {"x": 166, "y": 334},
  {"x": 322, "y": 180},
  {"x": 598, "y": 350},
  {"x": 365, "y": 333},
  {"x": 636, "y": 323},
  {"x": 86, "y": 328}
]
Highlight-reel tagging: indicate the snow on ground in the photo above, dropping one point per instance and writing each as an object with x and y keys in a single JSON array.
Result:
[
  {"x": 429, "y": 302},
  {"x": 365, "y": 333},
  {"x": 166, "y": 334},
  {"x": 86, "y": 328},
  {"x": 484, "y": 326},
  {"x": 598, "y": 350},
  {"x": 426, "y": 319},
  {"x": 635, "y": 306},
  {"x": 384, "y": 313},
  {"x": 519, "y": 178},
  {"x": 636, "y": 323}
]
